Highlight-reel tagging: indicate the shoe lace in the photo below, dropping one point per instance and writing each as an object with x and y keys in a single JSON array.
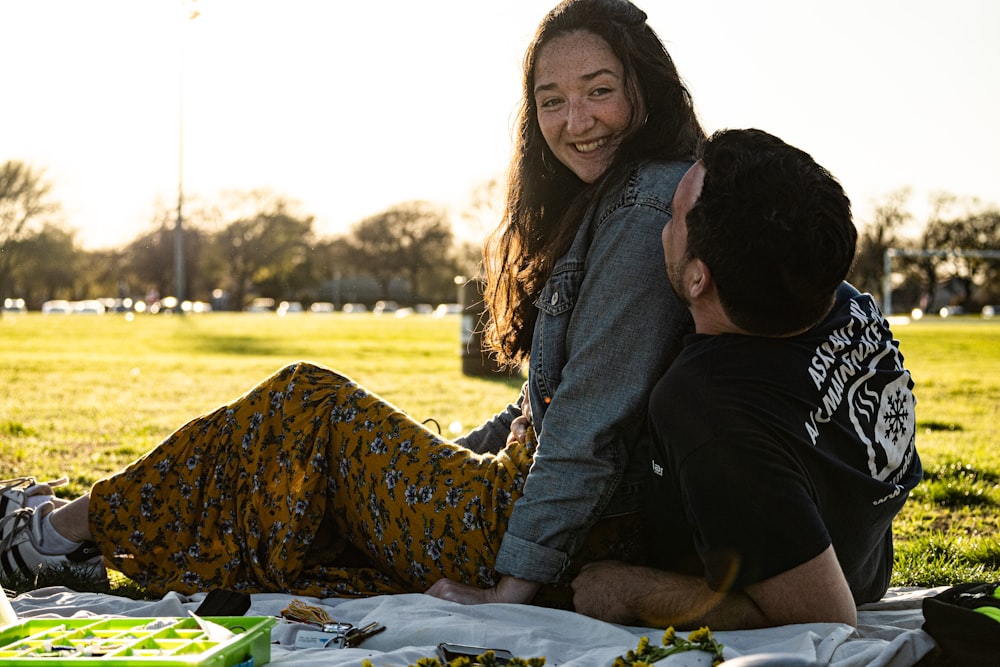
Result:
[
  {"x": 20, "y": 518},
  {"x": 15, "y": 482},
  {"x": 31, "y": 485}
]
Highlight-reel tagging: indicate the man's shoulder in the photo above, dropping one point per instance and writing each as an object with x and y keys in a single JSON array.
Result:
[{"x": 703, "y": 366}]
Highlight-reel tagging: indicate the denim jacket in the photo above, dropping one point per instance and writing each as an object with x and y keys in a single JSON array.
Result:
[{"x": 608, "y": 326}]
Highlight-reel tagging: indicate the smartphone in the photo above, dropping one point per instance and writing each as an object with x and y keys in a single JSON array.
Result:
[{"x": 449, "y": 652}]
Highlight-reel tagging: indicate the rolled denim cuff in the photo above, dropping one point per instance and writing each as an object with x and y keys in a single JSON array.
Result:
[{"x": 526, "y": 560}]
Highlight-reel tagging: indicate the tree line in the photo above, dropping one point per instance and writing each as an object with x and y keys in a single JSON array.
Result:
[
  {"x": 241, "y": 246},
  {"x": 951, "y": 260},
  {"x": 257, "y": 243}
]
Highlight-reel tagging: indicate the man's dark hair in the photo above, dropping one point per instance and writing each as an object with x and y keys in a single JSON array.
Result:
[{"x": 774, "y": 228}]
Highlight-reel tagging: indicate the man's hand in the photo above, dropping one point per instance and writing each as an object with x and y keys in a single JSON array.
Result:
[{"x": 509, "y": 590}]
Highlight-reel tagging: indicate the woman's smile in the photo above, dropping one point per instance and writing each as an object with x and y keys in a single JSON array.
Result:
[{"x": 583, "y": 109}]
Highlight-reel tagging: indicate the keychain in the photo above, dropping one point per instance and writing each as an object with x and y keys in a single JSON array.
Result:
[{"x": 332, "y": 633}]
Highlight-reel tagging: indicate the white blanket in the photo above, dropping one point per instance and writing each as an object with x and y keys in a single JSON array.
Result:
[{"x": 888, "y": 632}]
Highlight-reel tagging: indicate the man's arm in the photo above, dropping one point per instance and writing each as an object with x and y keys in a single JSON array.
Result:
[{"x": 812, "y": 592}]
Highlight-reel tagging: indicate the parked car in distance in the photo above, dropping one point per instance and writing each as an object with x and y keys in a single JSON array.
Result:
[
  {"x": 322, "y": 307},
  {"x": 948, "y": 311},
  {"x": 63, "y": 307},
  {"x": 117, "y": 305},
  {"x": 88, "y": 307},
  {"x": 261, "y": 305},
  {"x": 448, "y": 309},
  {"x": 57, "y": 307},
  {"x": 385, "y": 307},
  {"x": 14, "y": 306},
  {"x": 355, "y": 308},
  {"x": 289, "y": 308}
]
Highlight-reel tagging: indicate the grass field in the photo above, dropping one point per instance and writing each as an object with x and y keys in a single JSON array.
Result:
[{"x": 82, "y": 396}]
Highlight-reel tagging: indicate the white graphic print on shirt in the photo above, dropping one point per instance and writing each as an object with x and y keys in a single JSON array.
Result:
[{"x": 859, "y": 363}]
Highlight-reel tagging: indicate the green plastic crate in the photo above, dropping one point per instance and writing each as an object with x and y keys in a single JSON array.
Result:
[{"x": 142, "y": 642}]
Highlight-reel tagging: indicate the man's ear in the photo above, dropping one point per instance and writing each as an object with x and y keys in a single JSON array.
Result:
[{"x": 698, "y": 279}]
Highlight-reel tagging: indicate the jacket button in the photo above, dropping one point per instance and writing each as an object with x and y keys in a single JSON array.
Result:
[{"x": 555, "y": 298}]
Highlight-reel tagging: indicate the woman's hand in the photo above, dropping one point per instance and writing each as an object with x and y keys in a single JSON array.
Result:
[
  {"x": 510, "y": 590},
  {"x": 519, "y": 429}
]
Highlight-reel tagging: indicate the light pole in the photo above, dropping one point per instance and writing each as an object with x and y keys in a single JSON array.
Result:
[{"x": 179, "y": 225}]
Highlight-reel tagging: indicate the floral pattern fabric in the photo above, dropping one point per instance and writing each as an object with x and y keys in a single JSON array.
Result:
[{"x": 311, "y": 485}]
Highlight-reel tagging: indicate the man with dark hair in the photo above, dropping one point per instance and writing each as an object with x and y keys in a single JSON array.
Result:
[{"x": 785, "y": 429}]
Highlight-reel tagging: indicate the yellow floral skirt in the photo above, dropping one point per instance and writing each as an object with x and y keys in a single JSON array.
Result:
[{"x": 310, "y": 485}]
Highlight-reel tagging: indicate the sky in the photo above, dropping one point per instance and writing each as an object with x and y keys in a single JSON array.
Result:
[{"x": 349, "y": 108}]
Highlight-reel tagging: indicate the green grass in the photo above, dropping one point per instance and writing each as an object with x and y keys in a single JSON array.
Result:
[
  {"x": 83, "y": 396},
  {"x": 948, "y": 531}
]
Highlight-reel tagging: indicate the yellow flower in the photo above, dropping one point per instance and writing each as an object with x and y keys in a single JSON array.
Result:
[
  {"x": 700, "y": 635},
  {"x": 669, "y": 635}
]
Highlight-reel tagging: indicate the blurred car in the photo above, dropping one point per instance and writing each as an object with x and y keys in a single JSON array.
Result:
[
  {"x": 322, "y": 307},
  {"x": 423, "y": 309},
  {"x": 57, "y": 307},
  {"x": 385, "y": 307},
  {"x": 448, "y": 309},
  {"x": 261, "y": 305},
  {"x": 989, "y": 311},
  {"x": 290, "y": 308},
  {"x": 14, "y": 306},
  {"x": 119, "y": 305},
  {"x": 88, "y": 307},
  {"x": 355, "y": 308}
]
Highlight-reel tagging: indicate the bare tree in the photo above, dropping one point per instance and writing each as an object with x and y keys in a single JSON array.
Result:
[
  {"x": 25, "y": 204},
  {"x": 413, "y": 239},
  {"x": 47, "y": 267},
  {"x": 957, "y": 226},
  {"x": 878, "y": 235},
  {"x": 263, "y": 248},
  {"x": 485, "y": 209}
]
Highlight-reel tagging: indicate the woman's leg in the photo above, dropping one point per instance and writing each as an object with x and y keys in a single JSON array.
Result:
[
  {"x": 258, "y": 494},
  {"x": 421, "y": 507},
  {"x": 31, "y": 544},
  {"x": 70, "y": 520}
]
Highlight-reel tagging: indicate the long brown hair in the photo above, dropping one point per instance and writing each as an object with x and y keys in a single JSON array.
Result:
[{"x": 546, "y": 202}]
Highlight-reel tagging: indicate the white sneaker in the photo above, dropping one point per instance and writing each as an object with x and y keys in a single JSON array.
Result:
[
  {"x": 27, "y": 492},
  {"x": 21, "y": 548}
]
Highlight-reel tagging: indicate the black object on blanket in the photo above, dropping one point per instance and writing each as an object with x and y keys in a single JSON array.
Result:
[
  {"x": 965, "y": 622},
  {"x": 220, "y": 602}
]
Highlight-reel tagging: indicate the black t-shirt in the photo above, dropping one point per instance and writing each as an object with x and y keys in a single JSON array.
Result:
[{"x": 768, "y": 450}]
